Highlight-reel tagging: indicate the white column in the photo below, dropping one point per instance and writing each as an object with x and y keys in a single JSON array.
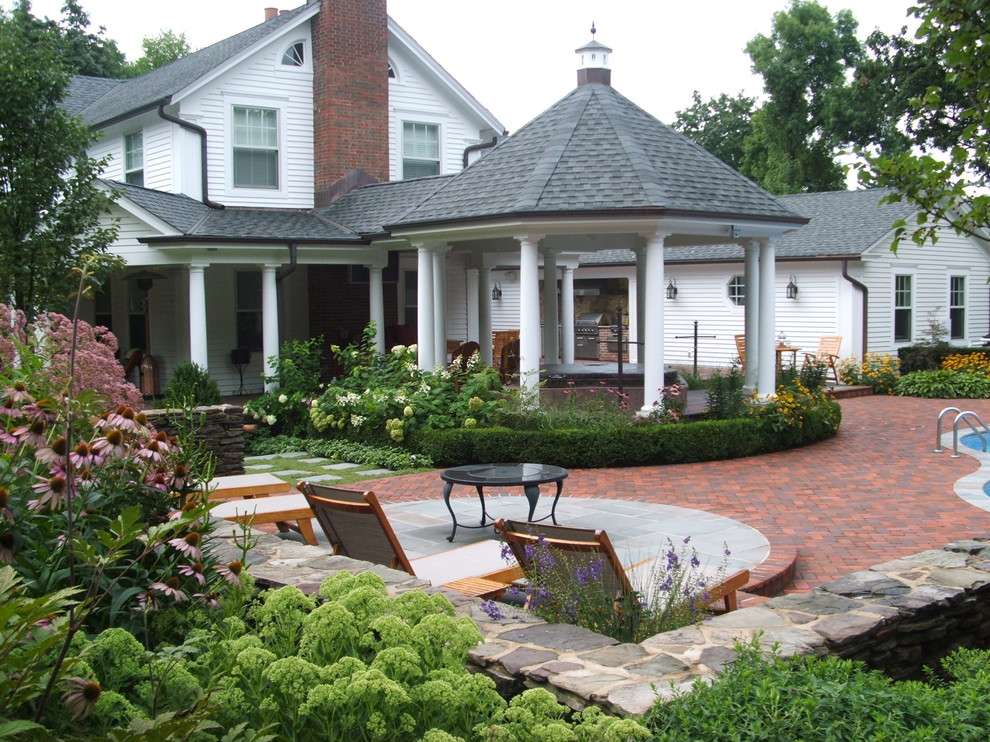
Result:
[
  {"x": 766, "y": 383},
  {"x": 440, "y": 305},
  {"x": 633, "y": 316},
  {"x": 473, "y": 302},
  {"x": 653, "y": 326},
  {"x": 641, "y": 287},
  {"x": 751, "y": 278},
  {"x": 485, "y": 313},
  {"x": 198, "y": 351},
  {"x": 425, "y": 328},
  {"x": 567, "y": 314},
  {"x": 269, "y": 319},
  {"x": 529, "y": 318},
  {"x": 551, "y": 333},
  {"x": 376, "y": 305}
]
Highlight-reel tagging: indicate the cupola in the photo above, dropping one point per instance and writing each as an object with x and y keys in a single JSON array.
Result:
[{"x": 593, "y": 67}]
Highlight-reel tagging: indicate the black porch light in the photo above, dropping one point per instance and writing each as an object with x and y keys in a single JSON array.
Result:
[
  {"x": 792, "y": 289},
  {"x": 672, "y": 289},
  {"x": 497, "y": 292}
]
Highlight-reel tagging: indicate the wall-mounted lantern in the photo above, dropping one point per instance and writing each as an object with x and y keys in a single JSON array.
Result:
[
  {"x": 792, "y": 289},
  {"x": 672, "y": 289},
  {"x": 497, "y": 292}
]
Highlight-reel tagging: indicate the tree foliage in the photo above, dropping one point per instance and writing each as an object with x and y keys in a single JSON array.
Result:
[
  {"x": 83, "y": 53},
  {"x": 947, "y": 175},
  {"x": 720, "y": 125},
  {"x": 50, "y": 206},
  {"x": 159, "y": 51}
]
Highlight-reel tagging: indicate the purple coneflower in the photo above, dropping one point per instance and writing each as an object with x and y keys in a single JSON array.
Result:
[
  {"x": 194, "y": 570},
  {"x": 170, "y": 588},
  {"x": 148, "y": 600},
  {"x": 6, "y": 548},
  {"x": 32, "y": 434},
  {"x": 209, "y": 599},
  {"x": 17, "y": 393},
  {"x": 83, "y": 457},
  {"x": 231, "y": 572},
  {"x": 81, "y": 696},
  {"x": 188, "y": 545},
  {"x": 52, "y": 493},
  {"x": 112, "y": 444},
  {"x": 180, "y": 477},
  {"x": 55, "y": 453}
]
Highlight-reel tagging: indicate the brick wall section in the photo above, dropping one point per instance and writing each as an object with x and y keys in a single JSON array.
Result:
[
  {"x": 350, "y": 90},
  {"x": 221, "y": 430}
]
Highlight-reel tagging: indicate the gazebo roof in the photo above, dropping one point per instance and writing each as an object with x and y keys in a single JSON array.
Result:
[{"x": 596, "y": 153}]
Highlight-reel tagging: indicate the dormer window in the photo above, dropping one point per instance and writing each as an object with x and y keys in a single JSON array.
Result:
[
  {"x": 134, "y": 158},
  {"x": 295, "y": 55}
]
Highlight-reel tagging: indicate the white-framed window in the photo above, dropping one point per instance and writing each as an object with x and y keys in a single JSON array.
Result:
[
  {"x": 903, "y": 308},
  {"x": 736, "y": 290},
  {"x": 295, "y": 55},
  {"x": 134, "y": 158},
  {"x": 248, "y": 309},
  {"x": 420, "y": 149},
  {"x": 254, "y": 134},
  {"x": 957, "y": 307}
]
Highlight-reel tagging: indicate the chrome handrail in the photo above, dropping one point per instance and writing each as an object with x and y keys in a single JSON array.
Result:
[
  {"x": 938, "y": 427},
  {"x": 964, "y": 417}
]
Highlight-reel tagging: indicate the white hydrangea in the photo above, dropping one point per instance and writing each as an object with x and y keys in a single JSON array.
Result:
[
  {"x": 282, "y": 399},
  {"x": 357, "y": 420},
  {"x": 270, "y": 419}
]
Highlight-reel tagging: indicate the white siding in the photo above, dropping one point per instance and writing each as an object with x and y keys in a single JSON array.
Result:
[{"x": 263, "y": 82}]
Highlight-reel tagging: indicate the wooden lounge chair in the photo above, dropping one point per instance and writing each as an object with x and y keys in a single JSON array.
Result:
[
  {"x": 356, "y": 526},
  {"x": 741, "y": 352},
  {"x": 826, "y": 355},
  {"x": 575, "y": 547},
  {"x": 463, "y": 352},
  {"x": 500, "y": 338},
  {"x": 509, "y": 362}
]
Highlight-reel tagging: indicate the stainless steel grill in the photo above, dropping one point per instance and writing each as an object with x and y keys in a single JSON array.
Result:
[{"x": 586, "y": 345}]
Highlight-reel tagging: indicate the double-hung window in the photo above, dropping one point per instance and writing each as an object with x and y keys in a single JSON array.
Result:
[
  {"x": 420, "y": 150},
  {"x": 134, "y": 158},
  {"x": 255, "y": 147},
  {"x": 903, "y": 308},
  {"x": 957, "y": 307}
]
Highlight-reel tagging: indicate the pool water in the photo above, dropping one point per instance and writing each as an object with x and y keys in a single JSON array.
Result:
[{"x": 975, "y": 441}]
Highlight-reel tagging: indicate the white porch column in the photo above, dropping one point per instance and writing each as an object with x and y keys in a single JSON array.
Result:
[
  {"x": 376, "y": 305},
  {"x": 485, "y": 312},
  {"x": 766, "y": 383},
  {"x": 633, "y": 316},
  {"x": 653, "y": 326},
  {"x": 440, "y": 304},
  {"x": 640, "y": 315},
  {"x": 425, "y": 327},
  {"x": 529, "y": 318},
  {"x": 471, "y": 277},
  {"x": 751, "y": 278},
  {"x": 269, "y": 318},
  {"x": 567, "y": 313},
  {"x": 551, "y": 331},
  {"x": 198, "y": 350}
]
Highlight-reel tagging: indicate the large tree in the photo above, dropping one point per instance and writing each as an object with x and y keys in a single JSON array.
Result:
[
  {"x": 947, "y": 174},
  {"x": 83, "y": 53},
  {"x": 50, "y": 204},
  {"x": 720, "y": 125},
  {"x": 159, "y": 50}
]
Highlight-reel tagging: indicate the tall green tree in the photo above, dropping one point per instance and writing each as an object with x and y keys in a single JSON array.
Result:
[
  {"x": 720, "y": 125},
  {"x": 159, "y": 50},
  {"x": 947, "y": 173},
  {"x": 83, "y": 53},
  {"x": 50, "y": 205}
]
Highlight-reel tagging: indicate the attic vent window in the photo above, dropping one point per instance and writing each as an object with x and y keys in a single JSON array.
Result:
[
  {"x": 295, "y": 55},
  {"x": 391, "y": 71}
]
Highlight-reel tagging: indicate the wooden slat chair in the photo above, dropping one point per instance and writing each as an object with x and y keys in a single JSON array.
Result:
[
  {"x": 356, "y": 526},
  {"x": 576, "y": 547},
  {"x": 827, "y": 355},
  {"x": 463, "y": 352},
  {"x": 500, "y": 338},
  {"x": 509, "y": 364},
  {"x": 741, "y": 352}
]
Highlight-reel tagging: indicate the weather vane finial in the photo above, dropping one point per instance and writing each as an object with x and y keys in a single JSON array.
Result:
[{"x": 593, "y": 29}]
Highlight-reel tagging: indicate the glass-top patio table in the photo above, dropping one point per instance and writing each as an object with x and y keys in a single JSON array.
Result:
[{"x": 527, "y": 476}]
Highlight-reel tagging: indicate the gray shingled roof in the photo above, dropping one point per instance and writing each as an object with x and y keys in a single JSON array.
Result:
[
  {"x": 842, "y": 223},
  {"x": 157, "y": 86},
  {"x": 196, "y": 221},
  {"x": 366, "y": 210},
  {"x": 596, "y": 151}
]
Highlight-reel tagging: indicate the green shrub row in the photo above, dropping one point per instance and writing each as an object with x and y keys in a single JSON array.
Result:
[
  {"x": 929, "y": 357},
  {"x": 337, "y": 450},
  {"x": 707, "y": 440}
]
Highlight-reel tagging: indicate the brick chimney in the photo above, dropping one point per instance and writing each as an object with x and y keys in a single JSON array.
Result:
[
  {"x": 350, "y": 92},
  {"x": 271, "y": 13}
]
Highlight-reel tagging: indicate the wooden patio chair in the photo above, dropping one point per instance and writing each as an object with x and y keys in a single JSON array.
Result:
[
  {"x": 741, "y": 352},
  {"x": 576, "y": 547},
  {"x": 463, "y": 352},
  {"x": 508, "y": 367},
  {"x": 826, "y": 355},
  {"x": 500, "y": 338},
  {"x": 356, "y": 526}
]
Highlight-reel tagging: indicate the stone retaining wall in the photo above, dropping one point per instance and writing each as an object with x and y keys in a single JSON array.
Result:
[
  {"x": 896, "y": 616},
  {"x": 220, "y": 428}
]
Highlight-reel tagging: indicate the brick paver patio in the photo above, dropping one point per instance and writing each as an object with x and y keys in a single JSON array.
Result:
[{"x": 874, "y": 492}]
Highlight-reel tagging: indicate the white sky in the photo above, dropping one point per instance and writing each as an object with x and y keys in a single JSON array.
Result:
[{"x": 517, "y": 56}]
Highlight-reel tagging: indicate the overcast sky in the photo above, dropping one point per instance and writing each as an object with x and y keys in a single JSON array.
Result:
[{"x": 517, "y": 56}]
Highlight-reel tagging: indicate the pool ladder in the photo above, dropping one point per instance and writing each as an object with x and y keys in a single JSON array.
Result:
[{"x": 967, "y": 417}]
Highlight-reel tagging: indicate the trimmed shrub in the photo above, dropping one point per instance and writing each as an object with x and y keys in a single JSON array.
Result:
[
  {"x": 944, "y": 385},
  {"x": 191, "y": 386}
]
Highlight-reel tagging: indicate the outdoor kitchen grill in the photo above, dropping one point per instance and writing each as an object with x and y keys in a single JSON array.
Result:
[{"x": 586, "y": 326}]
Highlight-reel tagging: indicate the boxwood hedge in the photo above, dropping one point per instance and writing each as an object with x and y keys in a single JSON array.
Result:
[{"x": 707, "y": 440}]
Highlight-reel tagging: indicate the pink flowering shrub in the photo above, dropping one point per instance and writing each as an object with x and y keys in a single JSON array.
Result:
[{"x": 97, "y": 371}]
